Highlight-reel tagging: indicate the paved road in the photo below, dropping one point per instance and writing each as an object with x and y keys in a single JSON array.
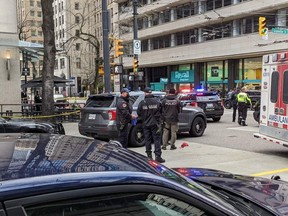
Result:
[{"x": 225, "y": 146}]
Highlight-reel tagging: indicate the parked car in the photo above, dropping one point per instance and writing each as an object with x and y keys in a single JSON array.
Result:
[
  {"x": 209, "y": 101},
  {"x": 47, "y": 175},
  {"x": 98, "y": 118},
  {"x": 17, "y": 125},
  {"x": 254, "y": 95}
]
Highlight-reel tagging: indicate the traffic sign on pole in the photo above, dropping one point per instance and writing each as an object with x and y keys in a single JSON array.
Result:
[{"x": 137, "y": 47}]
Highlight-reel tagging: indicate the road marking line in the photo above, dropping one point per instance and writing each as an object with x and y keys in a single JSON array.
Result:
[{"x": 270, "y": 172}]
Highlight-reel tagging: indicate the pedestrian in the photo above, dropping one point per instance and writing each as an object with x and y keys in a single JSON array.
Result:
[
  {"x": 234, "y": 103},
  {"x": 243, "y": 102},
  {"x": 171, "y": 107},
  {"x": 124, "y": 117},
  {"x": 37, "y": 101},
  {"x": 149, "y": 110}
]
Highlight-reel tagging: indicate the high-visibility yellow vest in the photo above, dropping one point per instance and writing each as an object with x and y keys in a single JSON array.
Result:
[{"x": 242, "y": 97}]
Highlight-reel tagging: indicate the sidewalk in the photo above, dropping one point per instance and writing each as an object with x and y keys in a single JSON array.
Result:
[{"x": 213, "y": 157}]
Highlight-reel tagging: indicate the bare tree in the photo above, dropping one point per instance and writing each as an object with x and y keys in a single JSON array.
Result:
[
  {"x": 49, "y": 57},
  {"x": 87, "y": 34}
]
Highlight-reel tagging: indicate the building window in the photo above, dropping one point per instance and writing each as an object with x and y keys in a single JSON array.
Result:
[
  {"x": 63, "y": 33},
  {"x": 31, "y": 3},
  {"x": 76, "y": 5},
  {"x": 77, "y": 46},
  {"x": 39, "y": 13},
  {"x": 62, "y": 19},
  {"x": 55, "y": 11},
  {"x": 56, "y": 64},
  {"x": 62, "y": 63},
  {"x": 77, "y": 19},
  {"x": 40, "y": 33},
  {"x": 39, "y": 4},
  {"x": 77, "y": 33},
  {"x": 56, "y": 22},
  {"x": 32, "y": 22},
  {"x": 32, "y": 13},
  {"x": 78, "y": 63},
  {"x": 33, "y": 32}
]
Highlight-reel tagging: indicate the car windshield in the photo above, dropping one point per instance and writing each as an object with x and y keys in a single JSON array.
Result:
[{"x": 100, "y": 101}]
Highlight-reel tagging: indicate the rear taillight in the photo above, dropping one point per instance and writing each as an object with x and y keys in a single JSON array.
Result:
[
  {"x": 194, "y": 104},
  {"x": 112, "y": 115}
]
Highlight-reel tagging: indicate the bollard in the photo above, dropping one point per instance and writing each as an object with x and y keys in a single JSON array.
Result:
[{"x": 11, "y": 113}]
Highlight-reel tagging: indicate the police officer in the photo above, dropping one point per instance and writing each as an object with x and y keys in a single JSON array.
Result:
[
  {"x": 234, "y": 103},
  {"x": 149, "y": 110},
  {"x": 244, "y": 102},
  {"x": 170, "y": 109},
  {"x": 123, "y": 116}
]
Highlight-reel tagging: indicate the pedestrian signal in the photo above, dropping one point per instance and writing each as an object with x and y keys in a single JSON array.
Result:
[{"x": 262, "y": 26}]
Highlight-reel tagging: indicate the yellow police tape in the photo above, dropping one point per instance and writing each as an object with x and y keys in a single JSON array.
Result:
[{"x": 40, "y": 117}]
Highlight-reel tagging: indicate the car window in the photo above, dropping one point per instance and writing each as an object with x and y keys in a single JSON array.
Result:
[
  {"x": 128, "y": 204},
  {"x": 100, "y": 101},
  {"x": 201, "y": 98}
]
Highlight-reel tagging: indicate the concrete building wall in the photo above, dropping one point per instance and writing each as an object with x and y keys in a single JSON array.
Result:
[{"x": 10, "y": 92}]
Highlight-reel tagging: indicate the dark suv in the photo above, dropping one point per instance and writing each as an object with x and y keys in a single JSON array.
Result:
[
  {"x": 98, "y": 118},
  {"x": 209, "y": 101},
  {"x": 255, "y": 95}
]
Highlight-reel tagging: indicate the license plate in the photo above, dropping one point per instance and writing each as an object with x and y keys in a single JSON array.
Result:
[
  {"x": 209, "y": 105},
  {"x": 92, "y": 116}
]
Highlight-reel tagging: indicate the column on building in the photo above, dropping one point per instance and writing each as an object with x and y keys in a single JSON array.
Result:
[
  {"x": 173, "y": 40},
  {"x": 235, "y": 1},
  {"x": 281, "y": 17},
  {"x": 149, "y": 21},
  {"x": 236, "y": 27},
  {"x": 200, "y": 36},
  {"x": 150, "y": 45},
  {"x": 233, "y": 68},
  {"x": 201, "y": 6},
  {"x": 172, "y": 14}
]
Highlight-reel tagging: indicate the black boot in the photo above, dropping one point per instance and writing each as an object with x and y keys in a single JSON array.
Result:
[
  {"x": 159, "y": 159},
  {"x": 243, "y": 123},
  {"x": 149, "y": 155}
]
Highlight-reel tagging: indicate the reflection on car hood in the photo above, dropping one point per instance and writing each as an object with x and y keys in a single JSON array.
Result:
[
  {"x": 268, "y": 193},
  {"x": 24, "y": 122}
]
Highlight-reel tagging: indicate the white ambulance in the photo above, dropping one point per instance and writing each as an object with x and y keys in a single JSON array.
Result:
[{"x": 274, "y": 99}]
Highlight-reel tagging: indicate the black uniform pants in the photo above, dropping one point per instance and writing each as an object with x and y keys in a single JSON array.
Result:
[
  {"x": 234, "y": 106},
  {"x": 123, "y": 135},
  {"x": 242, "y": 112},
  {"x": 152, "y": 133}
]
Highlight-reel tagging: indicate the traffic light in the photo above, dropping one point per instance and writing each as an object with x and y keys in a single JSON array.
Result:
[
  {"x": 118, "y": 48},
  {"x": 135, "y": 65},
  {"x": 262, "y": 26}
]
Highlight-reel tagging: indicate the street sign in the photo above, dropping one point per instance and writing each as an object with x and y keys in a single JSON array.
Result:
[
  {"x": 137, "y": 47},
  {"x": 25, "y": 71},
  {"x": 280, "y": 30},
  {"x": 140, "y": 73}
]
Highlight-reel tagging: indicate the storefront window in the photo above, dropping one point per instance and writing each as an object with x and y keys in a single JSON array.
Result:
[
  {"x": 252, "y": 72},
  {"x": 215, "y": 74},
  {"x": 185, "y": 67}
]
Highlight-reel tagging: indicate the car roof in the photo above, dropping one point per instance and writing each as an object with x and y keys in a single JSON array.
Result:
[
  {"x": 40, "y": 159},
  {"x": 131, "y": 93}
]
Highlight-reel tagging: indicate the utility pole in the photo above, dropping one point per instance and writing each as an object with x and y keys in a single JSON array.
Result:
[
  {"x": 135, "y": 31},
  {"x": 107, "y": 72}
]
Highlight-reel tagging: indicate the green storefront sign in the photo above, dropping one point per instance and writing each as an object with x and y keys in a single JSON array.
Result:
[{"x": 183, "y": 76}]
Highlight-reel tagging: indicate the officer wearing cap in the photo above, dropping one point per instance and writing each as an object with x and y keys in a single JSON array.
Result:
[
  {"x": 123, "y": 116},
  {"x": 149, "y": 110}
]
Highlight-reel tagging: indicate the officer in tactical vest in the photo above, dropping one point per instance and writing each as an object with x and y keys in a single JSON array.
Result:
[
  {"x": 243, "y": 102},
  {"x": 149, "y": 110},
  {"x": 123, "y": 116}
]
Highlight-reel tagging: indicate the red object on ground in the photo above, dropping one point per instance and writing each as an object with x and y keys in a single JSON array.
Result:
[{"x": 184, "y": 144}]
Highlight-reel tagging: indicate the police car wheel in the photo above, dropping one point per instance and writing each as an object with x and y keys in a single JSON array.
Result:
[
  {"x": 227, "y": 104},
  {"x": 197, "y": 127},
  {"x": 137, "y": 136}
]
